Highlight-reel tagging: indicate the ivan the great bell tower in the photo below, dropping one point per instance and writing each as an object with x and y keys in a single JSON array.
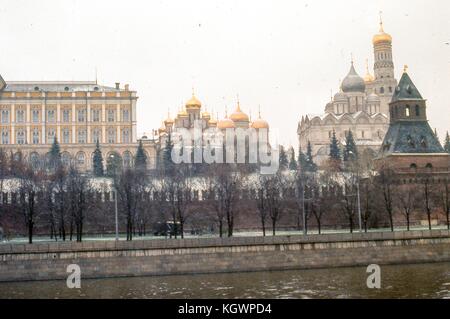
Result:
[{"x": 384, "y": 82}]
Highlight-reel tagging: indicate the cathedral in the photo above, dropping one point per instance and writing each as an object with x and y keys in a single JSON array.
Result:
[
  {"x": 192, "y": 113},
  {"x": 360, "y": 106}
]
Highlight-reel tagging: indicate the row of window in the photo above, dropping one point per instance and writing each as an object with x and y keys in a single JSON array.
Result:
[
  {"x": 407, "y": 113},
  {"x": 66, "y": 136},
  {"x": 96, "y": 116},
  {"x": 362, "y": 134},
  {"x": 382, "y": 90}
]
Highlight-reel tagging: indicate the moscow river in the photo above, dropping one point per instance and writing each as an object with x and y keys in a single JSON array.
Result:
[{"x": 400, "y": 281}]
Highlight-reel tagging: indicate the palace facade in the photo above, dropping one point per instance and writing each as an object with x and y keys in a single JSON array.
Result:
[
  {"x": 360, "y": 106},
  {"x": 78, "y": 114}
]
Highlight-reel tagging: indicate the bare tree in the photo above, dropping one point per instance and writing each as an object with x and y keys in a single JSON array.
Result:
[
  {"x": 128, "y": 185},
  {"x": 273, "y": 189},
  {"x": 406, "y": 201},
  {"x": 261, "y": 202},
  {"x": 386, "y": 185},
  {"x": 77, "y": 188},
  {"x": 427, "y": 199},
  {"x": 28, "y": 190},
  {"x": 445, "y": 200},
  {"x": 228, "y": 183}
]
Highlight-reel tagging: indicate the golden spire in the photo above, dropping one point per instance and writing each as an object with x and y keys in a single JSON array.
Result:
[
  {"x": 381, "y": 37},
  {"x": 369, "y": 77},
  {"x": 381, "y": 22}
]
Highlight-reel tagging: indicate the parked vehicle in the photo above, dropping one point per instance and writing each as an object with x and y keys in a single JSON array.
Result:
[{"x": 167, "y": 228}]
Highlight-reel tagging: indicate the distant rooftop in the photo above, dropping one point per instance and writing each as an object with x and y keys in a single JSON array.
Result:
[{"x": 57, "y": 86}]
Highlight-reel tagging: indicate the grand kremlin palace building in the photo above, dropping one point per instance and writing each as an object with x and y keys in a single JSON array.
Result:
[{"x": 77, "y": 114}]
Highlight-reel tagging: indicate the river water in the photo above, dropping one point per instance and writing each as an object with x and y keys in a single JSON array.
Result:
[{"x": 400, "y": 281}]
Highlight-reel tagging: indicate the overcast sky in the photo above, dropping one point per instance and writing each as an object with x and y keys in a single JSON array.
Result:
[{"x": 283, "y": 55}]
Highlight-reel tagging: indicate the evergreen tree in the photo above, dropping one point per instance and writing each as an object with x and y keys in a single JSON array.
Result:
[
  {"x": 350, "y": 151},
  {"x": 168, "y": 164},
  {"x": 54, "y": 158},
  {"x": 140, "y": 162},
  {"x": 335, "y": 153},
  {"x": 98, "y": 161},
  {"x": 113, "y": 164},
  {"x": 311, "y": 166},
  {"x": 447, "y": 143},
  {"x": 302, "y": 162},
  {"x": 292, "y": 162},
  {"x": 283, "y": 159}
]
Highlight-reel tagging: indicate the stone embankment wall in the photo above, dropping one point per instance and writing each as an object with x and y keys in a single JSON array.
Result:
[{"x": 45, "y": 261}]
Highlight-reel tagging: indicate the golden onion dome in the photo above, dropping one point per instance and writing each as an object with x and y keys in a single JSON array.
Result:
[
  {"x": 193, "y": 103},
  {"x": 381, "y": 36},
  {"x": 182, "y": 113},
  {"x": 168, "y": 120},
  {"x": 212, "y": 122},
  {"x": 225, "y": 123},
  {"x": 206, "y": 115},
  {"x": 162, "y": 129},
  {"x": 260, "y": 123},
  {"x": 368, "y": 78},
  {"x": 238, "y": 115}
]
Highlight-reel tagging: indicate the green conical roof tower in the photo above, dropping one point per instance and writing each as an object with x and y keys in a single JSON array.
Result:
[{"x": 409, "y": 131}]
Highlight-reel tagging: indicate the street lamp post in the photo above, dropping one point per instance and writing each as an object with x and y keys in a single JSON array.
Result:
[
  {"x": 358, "y": 199},
  {"x": 359, "y": 205},
  {"x": 116, "y": 214},
  {"x": 112, "y": 157}
]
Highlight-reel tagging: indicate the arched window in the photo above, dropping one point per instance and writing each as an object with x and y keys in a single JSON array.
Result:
[
  {"x": 429, "y": 166},
  {"x": 111, "y": 136},
  {"x": 35, "y": 160},
  {"x": 407, "y": 111},
  {"x": 65, "y": 158},
  {"x": 381, "y": 90},
  {"x": 35, "y": 116},
  {"x": 5, "y": 116},
  {"x": 20, "y": 137},
  {"x": 96, "y": 133},
  {"x": 66, "y": 136},
  {"x": 81, "y": 159},
  {"x": 36, "y": 136},
  {"x": 127, "y": 159},
  {"x": 413, "y": 166},
  {"x": 125, "y": 136},
  {"x": 82, "y": 136},
  {"x": 50, "y": 136},
  {"x": 20, "y": 116},
  {"x": 5, "y": 136},
  {"x": 417, "y": 110}
]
